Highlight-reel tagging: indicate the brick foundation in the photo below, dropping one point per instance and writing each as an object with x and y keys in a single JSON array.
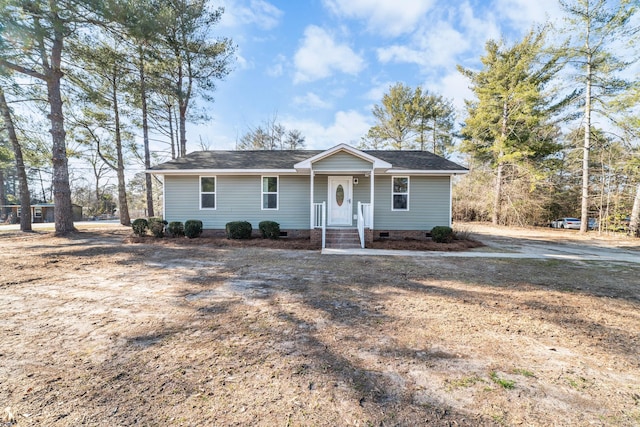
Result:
[
  {"x": 291, "y": 234},
  {"x": 401, "y": 235},
  {"x": 316, "y": 237}
]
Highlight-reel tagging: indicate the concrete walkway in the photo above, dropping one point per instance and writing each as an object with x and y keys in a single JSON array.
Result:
[
  {"x": 633, "y": 258},
  {"x": 528, "y": 244}
]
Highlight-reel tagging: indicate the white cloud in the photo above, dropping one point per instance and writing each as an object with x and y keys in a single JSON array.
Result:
[
  {"x": 258, "y": 12},
  {"x": 320, "y": 56},
  {"x": 453, "y": 86},
  {"x": 311, "y": 101},
  {"x": 436, "y": 46},
  {"x": 478, "y": 29},
  {"x": 348, "y": 127},
  {"x": 376, "y": 93},
  {"x": 524, "y": 13},
  {"x": 242, "y": 63},
  {"x": 399, "y": 53},
  {"x": 386, "y": 17},
  {"x": 277, "y": 68}
]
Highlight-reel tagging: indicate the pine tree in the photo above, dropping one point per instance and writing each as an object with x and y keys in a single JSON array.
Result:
[
  {"x": 32, "y": 44},
  {"x": 509, "y": 121},
  {"x": 597, "y": 29}
]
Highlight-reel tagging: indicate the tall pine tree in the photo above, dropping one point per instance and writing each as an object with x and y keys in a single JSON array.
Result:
[
  {"x": 597, "y": 28},
  {"x": 507, "y": 123}
]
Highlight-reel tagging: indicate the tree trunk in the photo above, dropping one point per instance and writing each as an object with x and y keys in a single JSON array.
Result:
[
  {"x": 177, "y": 122},
  {"x": 183, "y": 128},
  {"x": 63, "y": 213},
  {"x": 98, "y": 201},
  {"x": 145, "y": 132},
  {"x": 634, "y": 225},
  {"x": 584, "y": 211},
  {"x": 125, "y": 219},
  {"x": 25, "y": 196},
  {"x": 497, "y": 198},
  {"x": 3, "y": 196},
  {"x": 497, "y": 201},
  {"x": 173, "y": 145},
  {"x": 435, "y": 136}
]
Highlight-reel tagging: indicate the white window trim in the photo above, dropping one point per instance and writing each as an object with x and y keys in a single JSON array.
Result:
[
  {"x": 262, "y": 192},
  {"x": 215, "y": 193},
  {"x": 393, "y": 193}
]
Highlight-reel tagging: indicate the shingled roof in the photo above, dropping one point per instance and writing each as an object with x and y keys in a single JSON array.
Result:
[{"x": 286, "y": 159}]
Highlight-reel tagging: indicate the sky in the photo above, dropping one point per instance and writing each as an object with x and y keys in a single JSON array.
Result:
[{"x": 319, "y": 66}]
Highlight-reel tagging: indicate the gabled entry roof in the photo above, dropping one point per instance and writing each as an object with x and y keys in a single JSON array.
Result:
[
  {"x": 376, "y": 162},
  {"x": 300, "y": 161}
]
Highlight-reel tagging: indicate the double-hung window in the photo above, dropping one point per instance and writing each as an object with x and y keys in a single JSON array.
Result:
[
  {"x": 207, "y": 192},
  {"x": 269, "y": 192},
  {"x": 400, "y": 193}
]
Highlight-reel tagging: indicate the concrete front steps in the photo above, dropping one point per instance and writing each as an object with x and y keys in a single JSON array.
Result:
[{"x": 342, "y": 238}]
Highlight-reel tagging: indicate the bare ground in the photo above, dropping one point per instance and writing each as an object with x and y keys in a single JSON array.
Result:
[{"x": 98, "y": 330}]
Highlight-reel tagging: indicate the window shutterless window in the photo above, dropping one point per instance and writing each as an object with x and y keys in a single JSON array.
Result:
[
  {"x": 207, "y": 192},
  {"x": 400, "y": 193},
  {"x": 269, "y": 192}
]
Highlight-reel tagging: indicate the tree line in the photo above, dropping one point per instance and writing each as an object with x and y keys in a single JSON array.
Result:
[
  {"x": 552, "y": 129},
  {"x": 121, "y": 65}
]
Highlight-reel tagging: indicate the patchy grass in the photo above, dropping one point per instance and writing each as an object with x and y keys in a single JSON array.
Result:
[
  {"x": 524, "y": 373},
  {"x": 463, "y": 382},
  {"x": 504, "y": 383}
]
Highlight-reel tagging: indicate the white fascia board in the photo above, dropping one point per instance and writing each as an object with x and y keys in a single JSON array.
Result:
[
  {"x": 425, "y": 172},
  {"x": 341, "y": 171},
  {"x": 377, "y": 163},
  {"x": 223, "y": 171}
]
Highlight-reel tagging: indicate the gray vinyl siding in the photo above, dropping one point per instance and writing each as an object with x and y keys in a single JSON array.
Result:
[
  {"x": 320, "y": 185},
  {"x": 238, "y": 198},
  {"x": 342, "y": 162},
  {"x": 428, "y": 204},
  {"x": 361, "y": 191}
]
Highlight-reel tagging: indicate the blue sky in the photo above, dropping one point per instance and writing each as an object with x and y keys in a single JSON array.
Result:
[{"x": 320, "y": 65}]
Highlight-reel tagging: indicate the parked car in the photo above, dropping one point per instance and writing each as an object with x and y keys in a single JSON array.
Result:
[
  {"x": 593, "y": 224},
  {"x": 573, "y": 223}
]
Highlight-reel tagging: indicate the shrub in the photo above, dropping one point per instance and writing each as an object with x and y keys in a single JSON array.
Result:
[
  {"x": 238, "y": 230},
  {"x": 140, "y": 226},
  {"x": 192, "y": 228},
  {"x": 176, "y": 229},
  {"x": 442, "y": 234},
  {"x": 157, "y": 226},
  {"x": 463, "y": 233},
  {"x": 269, "y": 229}
]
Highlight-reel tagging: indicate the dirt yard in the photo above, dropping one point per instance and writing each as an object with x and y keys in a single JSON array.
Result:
[{"x": 99, "y": 330}]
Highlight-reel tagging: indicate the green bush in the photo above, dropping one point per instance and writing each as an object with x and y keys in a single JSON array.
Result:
[
  {"x": 192, "y": 228},
  {"x": 176, "y": 229},
  {"x": 140, "y": 226},
  {"x": 157, "y": 226},
  {"x": 238, "y": 230},
  {"x": 442, "y": 234},
  {"x": 269, "y": 229}
]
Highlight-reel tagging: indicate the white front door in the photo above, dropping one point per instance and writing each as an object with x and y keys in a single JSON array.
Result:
[{"x": 340, "y": 211}]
